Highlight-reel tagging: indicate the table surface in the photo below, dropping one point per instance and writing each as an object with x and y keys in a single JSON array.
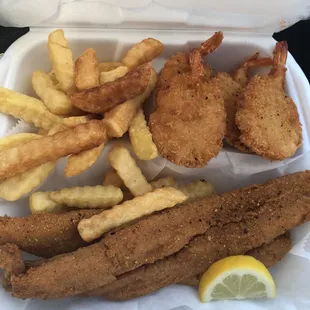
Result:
[{"x": 297, "y": 36}]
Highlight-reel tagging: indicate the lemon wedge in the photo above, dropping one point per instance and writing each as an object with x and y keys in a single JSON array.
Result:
[{"x": 236, "y": 277}]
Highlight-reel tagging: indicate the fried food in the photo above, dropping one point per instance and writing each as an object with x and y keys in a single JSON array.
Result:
[
  {"x": 44, "y": 234},
  {"x": 128, "y": 170},
  {"x": 269, "y": 254},
  {"x": 109, "y": 65},
  {"x": 30, "y": 154},
  {"x": 160, "y": 199},
  {"x": 40, "y": 202},
  {"x": 267, "y": 118},
  {"x": 54, "y": 98},
  {"x": 19, "y": 185},
  {"x": 164, "y": 182},
  {"x": 62, "y": 60},
  {"x": 112, "y": 178},
  {"x": 52, "y": 76},
  {"x": 143, "y": 52},
  {"x": 30, "y": 109},
  {"x": 141, "y": 138},
  {"x": 107, "y": 96},
  {"x": 88, "y": 197},
  {"x": 111, "y": 76},
  {"x": 87, "y": 70},
  {"x": 196, "y": 190},
  {"x": 76, "y": 120},
  {"x": 118, "y": 120},
  {"x": 189, "y": 121},
  {"x": 80, "y": 162},
  {"x": 258, "y": 221},
  {"x": 231, "y": 87}
]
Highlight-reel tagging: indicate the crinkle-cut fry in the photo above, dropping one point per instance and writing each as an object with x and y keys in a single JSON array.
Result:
[
  {"x": 119, "y": 119},
  {"x": 143, "y": 52},
  {"x": 53, "y": 97},
  {"x": 108, "y": 65},
  {"x": 30, "y": 109},
  {"x": 164, "y": 182},
  {"x": 141, "y": 138},
  {"x": 30, "y": 154},
  {"x": 88, "y": 197},
  {"x": 130, "y": 210},
  {"x": 112, "y": 178},
  {"x": 110, "y": 76},
  {"x": 17, "y": 186},
  {"x": 40, "y": 202},
  {"x": 52, "y": 76},
  {"x": 76, "y": 120},
  {"x": 105, "y": 97},
  {"x": 78, "y": 163},
  {"x": 197, "y": 189},
  {"x": 86, "y": 70},
  {"x": 62, "y": 60},
  {"x": 128, "y": 170}
]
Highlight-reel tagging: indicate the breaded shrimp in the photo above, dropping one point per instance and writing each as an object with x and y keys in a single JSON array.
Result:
[
  {"x": 189, "y": 122},
  {"x": 267, "y": 118},
  {"x": 231, "y": 86}
]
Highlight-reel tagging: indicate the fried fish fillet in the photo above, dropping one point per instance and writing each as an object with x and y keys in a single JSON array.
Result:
[
  {"x": 44, "y": 234},
  {"x": 257, "y": 214},
  {"x": 267, "y": 118},
  {"x": 103, "y": 98},
  {"x": 188, "y": 124}
]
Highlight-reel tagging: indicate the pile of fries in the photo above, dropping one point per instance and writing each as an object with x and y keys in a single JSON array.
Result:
[{"x": 82, "y": 104}]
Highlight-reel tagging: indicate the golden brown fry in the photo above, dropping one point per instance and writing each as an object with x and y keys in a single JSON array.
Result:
[
  {"x": 52, "y": 76},
  {"x": 76, "y": 120},
  {"x": 141, "y": 138},
  {"x": 86, "y": 70},
  {"x": 17, "y": 186},
  {"x": 118, "y": 120},
  {"x": 143, "y": 52},
  {"x": 30, "y": 154},
  {"x": 108, "y": 65},
  {"x": 40, "y": 202},
  {"x": 128, "y": 170},
  {"x": 42, "y": 132},
  {"x": 197, "y": 189},
  {"x": 112, "y": 178},
  {"x": 88, "y": 196},
  {"x": 130, "y": 210},
  {"x": 164, "y": 182},
  {"x": 54, "y": 98},
  {"x": 107, "y": 96},
  {"x": 80, "y": 162},
  {"x": 110, "y": 76},
  {"x": 62, "y": 60},
  {"x": 57, "y": 128},
  {"x": 30, "y": 109}
]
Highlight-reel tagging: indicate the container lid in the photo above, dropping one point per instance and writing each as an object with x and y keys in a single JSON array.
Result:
[{"x": 265, "y": 16}]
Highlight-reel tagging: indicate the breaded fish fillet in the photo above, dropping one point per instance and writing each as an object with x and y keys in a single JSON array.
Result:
[
  {"x": 267, "y": 118},
  {"x": 264, "y": 211},
  {"x": 44, "y": 234}
]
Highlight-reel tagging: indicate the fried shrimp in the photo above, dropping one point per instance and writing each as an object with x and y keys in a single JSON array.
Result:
[{"x": 267, "y": 118}]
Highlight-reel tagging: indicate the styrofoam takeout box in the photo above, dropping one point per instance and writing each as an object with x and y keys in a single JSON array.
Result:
[{"x": 229, "y": 170}]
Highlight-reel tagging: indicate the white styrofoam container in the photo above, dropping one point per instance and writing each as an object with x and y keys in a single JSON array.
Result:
[{"x": 179, "y": 29}]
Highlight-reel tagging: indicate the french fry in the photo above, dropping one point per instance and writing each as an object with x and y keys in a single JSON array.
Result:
[
  {"x": 141, "y": 138},
  {"x": 118, "y": 120},
  {"x": 30, "y": 109},
  {"x": 143, "y": 52},
  {"x": 57, "y": 128},
  {"x": 86, "y": 70},
  {"x": 197, "y": 189},
  {"x": 112, "y": 178},
  {"x": 76, "y": 120},
  {"x": 32, "y": 153},
  {"x": 80, "y": 162},
  {"x": 62, "y": 60},
  {"x": 128, "y": 170},
  {"x": 164, "y": 182},
  {"x": 42, "y": 132},
  {"x": 40, "y": 202},
  {"x": 17, "y": 186},
  {"x": 103, "y": 98},
  {"x": 110, "y": 76},
  {"x": 54, "y": 98},
  {"x": 52, "y": 76},
  {"x": 108, "y": 65},
  {"x": 128, "y": 211},
  {"x": 88, "y": 196}
]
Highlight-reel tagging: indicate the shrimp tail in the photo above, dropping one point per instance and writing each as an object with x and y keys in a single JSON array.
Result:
[
  {"x": 211, "y": 44},
  {"x": 196, "y": 64},
  {"x": 279, "y": 60}
]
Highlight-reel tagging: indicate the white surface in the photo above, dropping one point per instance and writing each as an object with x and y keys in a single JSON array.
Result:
[{"x": 229, "y": 170}]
